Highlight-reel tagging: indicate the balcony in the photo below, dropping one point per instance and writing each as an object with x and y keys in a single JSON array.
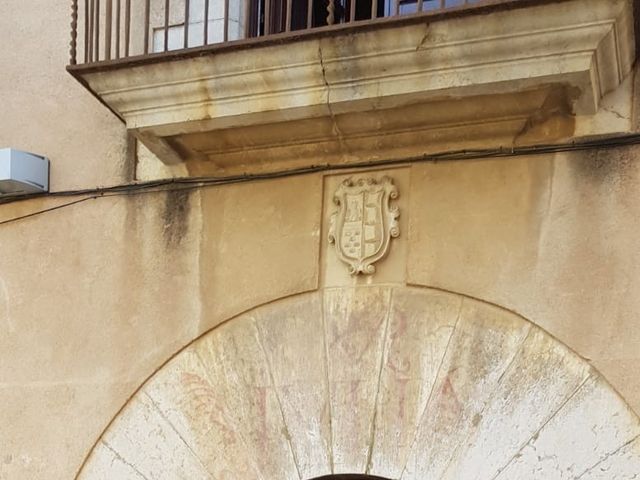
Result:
[{"x": 225, "y": 86}]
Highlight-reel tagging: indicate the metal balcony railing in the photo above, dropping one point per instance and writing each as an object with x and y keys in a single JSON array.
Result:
[{"x": 109, "y": 30}]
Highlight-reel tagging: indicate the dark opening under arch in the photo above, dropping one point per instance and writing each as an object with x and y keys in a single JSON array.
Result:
[{"x": 349, "y": 477}]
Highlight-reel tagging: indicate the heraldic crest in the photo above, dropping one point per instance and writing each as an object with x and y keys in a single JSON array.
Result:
[{"x": 365, "y": 222}]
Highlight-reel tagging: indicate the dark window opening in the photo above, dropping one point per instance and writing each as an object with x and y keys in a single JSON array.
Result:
[{"x": 276, "y": 13}]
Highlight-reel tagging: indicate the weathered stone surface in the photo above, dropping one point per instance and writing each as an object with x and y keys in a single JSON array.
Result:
[
  {"x": 483, "y": 344},
  {"x": 550, "y": 237},
  {"x": 541, "y": 378},
  {"x": 107, "y": 465},
  {"x": 420, "y": 328},
  {"x": 400, "y": 382},
  {"x": 46, "y": 111},
  {"x": 623, "y": 464},
  {"x": 292, "y": 333},
  {"x": 95, "y": 297},
  {"x": 593, "y": 424},
  {"x": 356, "y": 321},
  {"x": 266, "y": 231},
  {"x": 193, "y": 398},
  {"x": 144, "y": 439},
  {"x": 251, "y": 396},
  {"x": 239, "y": 107}
]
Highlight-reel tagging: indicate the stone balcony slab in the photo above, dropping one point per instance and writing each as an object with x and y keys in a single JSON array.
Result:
[{"x": 401, "y": 88}]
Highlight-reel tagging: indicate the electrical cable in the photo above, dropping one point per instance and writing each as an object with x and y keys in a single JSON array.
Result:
[{"x": 190, "y": 183}]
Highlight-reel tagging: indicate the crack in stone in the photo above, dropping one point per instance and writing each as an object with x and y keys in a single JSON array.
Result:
[
  {"x": 240, "y": 434},
  {"x": 336, "y": 128},
  {"x": 173, "y": 427},
  {"x": 424, "y": 39},
  {"x": 258, "y": 335},
  {"x": 617, "y": 114},
  {"x": 123, "y": 460},
  {"x": 383, "y": 356},
  {"x": 433, "y": 387},
  {"x": 508, "y": 368},
  {"x": 607, "y": 456},
  {"x": 535, "y": 436},
  {"x": 326, "y": 363}
]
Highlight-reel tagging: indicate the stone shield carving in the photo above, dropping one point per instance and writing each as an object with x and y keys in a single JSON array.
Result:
[{"x": 365, "y": 222}]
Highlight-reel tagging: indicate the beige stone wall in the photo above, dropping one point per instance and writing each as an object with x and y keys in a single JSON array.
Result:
[
  {"x": 44, "y": 110},
  {"x": 96, "y": 296}
]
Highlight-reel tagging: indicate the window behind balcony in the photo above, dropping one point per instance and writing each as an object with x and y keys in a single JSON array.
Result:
[{"x": 113, "y": 29}]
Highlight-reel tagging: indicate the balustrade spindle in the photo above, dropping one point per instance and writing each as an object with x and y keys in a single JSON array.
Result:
[
  {"x": 331, "y": 10},
  {"x": 147, "y": 13},
  {"x": 73, "y": 52},
  {"x": 118, "y": 14},
  {"x": 225, "y": 35},
  {"x": 86, "y": 31},
  {"x": 309, "y": 14},
  {"x": 206, "y": 22},
  {"x": 96, "y": 14},
  {"x": 257, "y": 18},
  {"x": 90, "y": 29},
  {"x": 287, "y": 26},
  {"x": 127, "y": 26},
  {"x": 107, "y": 29},
  {"x": 186, "y": 23},
  {"x": 167, "y": 8},
  {"x": 267, "y": 17}
]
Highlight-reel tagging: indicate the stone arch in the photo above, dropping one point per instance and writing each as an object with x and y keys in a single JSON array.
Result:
[{"x": 393, "y": 382}]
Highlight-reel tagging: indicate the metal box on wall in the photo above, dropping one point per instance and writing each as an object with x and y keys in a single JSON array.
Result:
[{"x": 23, "y": 172}]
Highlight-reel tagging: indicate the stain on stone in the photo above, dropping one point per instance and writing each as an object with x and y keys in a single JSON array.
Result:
[
  {"x": 430, "y": 38},
  {"x": 175, "y": 216},
  {"x": 130, "y": 164},
  {"x": 610, "y": 166},
  {"x": 476, "y": 419},
  {"x": 554, "y": 119}
]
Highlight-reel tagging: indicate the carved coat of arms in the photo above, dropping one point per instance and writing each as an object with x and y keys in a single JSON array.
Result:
[{"x": 365, "y": 222}]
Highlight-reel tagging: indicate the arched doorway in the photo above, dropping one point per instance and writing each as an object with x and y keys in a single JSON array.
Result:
[{"x": 394, "y": 382}]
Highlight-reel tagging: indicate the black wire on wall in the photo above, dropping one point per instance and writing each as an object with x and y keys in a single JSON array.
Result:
[{"x": 190, "y": 183}]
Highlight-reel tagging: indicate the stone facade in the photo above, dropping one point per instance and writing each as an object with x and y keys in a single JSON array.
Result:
[{"x": 106, "y": 305}]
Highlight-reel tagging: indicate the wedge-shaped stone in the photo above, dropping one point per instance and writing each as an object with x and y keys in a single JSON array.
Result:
[
  {"x": 190, "y": 397},
  {"x": 542, "y": 377},
  {"x": 355, "y": 324},
  {"x": 251, "y": 396},
  {"x": 482, "y": 346},
  {"x": 420, "y": 327},
  {"x": 592, "y": 425},
  {"x": 142, "y": 437},
  {"x": 293, "y": 340}
]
